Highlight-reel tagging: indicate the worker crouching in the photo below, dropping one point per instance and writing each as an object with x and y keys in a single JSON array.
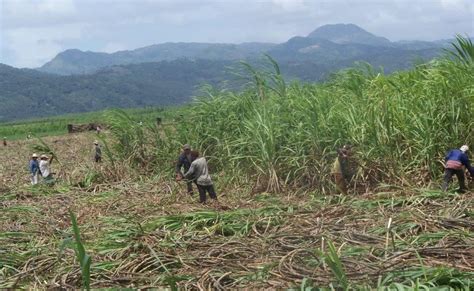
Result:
[{"x": 456, "y": 160}]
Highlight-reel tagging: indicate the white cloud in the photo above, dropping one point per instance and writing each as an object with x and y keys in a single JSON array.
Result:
[
  {"x": 26, "y": 13},
  {"x": 453, "y": 3},
  {"x": 32, "y": 47},
  {"x": 112, "y": 47},
  {"x": 290, "y": 5},
  {"x": 66, "y": 7},
  {"x": 33, "y": 31}
]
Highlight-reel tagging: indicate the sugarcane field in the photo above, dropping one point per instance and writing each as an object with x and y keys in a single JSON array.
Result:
[{"x": 361, "y": 180}]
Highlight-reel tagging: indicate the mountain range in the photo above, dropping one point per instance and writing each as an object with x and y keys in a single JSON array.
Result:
[
  {"x": 170, "y": 73},
  {"x": 329, "y": 43}
]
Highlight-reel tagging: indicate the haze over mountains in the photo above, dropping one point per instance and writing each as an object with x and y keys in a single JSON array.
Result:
[
  {"x": 170, "y": 73},
  {"x": 328, "y": 43}
]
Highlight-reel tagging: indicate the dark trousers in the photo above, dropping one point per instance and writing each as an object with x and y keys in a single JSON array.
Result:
[
  {"x": 202, "y": 192},
  {"x": 448, "y": 175},
  {"x": 189, "y": 184}
]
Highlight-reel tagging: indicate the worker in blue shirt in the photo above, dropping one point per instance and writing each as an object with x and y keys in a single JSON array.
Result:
[
  {"x": 456, "y": 160},
  {"x": 34, "y": 169}
]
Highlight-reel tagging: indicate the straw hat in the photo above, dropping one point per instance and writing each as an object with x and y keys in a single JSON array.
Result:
[
  {"x": 464, "y": 148},
  {"x": 44, "y": 157},
  {"x": 34, "y": 155},
  {"x": 96, "y": 142}
]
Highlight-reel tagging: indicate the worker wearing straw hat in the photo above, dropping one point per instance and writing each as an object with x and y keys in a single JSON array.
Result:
[
  {"x": 44, "y": 167},
  {"x": 97, "y": 152},
  {"x": 34, "y": 169},
  {"x": 456, "y": 160}
]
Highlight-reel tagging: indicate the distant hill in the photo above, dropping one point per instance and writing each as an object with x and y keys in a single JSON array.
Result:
[
  {"x": 170, "y": 73},
  {"x": 28, "y": 93},
  {"x": 322, "y": 51},
  {"x": 348, "y": 34},
  {"x": 75, "y": 61},
  {"x": 325, "y": 44}
]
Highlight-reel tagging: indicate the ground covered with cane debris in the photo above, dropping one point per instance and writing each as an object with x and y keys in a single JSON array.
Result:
[
  {"x": 278, "y": 223},
  {"x": 150, "y": 233}
]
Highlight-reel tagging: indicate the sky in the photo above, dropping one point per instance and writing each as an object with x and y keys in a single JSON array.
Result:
[{"x": 32, "y": 32}]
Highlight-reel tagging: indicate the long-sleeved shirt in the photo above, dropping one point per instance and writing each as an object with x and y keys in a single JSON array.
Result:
[
  {"x": 44, "y": 168},
  {"x": 455, "y": 159},
  {"x": 199, "y": 172},
  {"x": 34, "y": 167},
  {"x": 183, "y": 162},
  {"x": 98, "y": 152}
]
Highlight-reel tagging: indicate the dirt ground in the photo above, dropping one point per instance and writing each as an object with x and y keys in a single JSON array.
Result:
[{"x": 147, "y": 232}]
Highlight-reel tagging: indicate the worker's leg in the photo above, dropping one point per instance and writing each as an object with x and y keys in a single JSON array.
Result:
[
  {"x": 202, "y": 193},
  {"x": 189, "y": 184},
  {"x": 34, "y": 179},
  {"x": 448, "y": 175},
  {"x": 461, "y": 180},
  {"x": 212, "y": 191},
  {"x": 340, "y": 183}
]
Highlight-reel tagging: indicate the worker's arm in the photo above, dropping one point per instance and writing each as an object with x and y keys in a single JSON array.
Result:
[
  {"x": 465, "y": 161},
  {"x": 471, "y": 171},
  {"x": 190, "y": 172}
]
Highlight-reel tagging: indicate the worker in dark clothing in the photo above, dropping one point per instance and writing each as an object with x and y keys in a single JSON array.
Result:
[
  {"x": 456, "y": 160},
  {"x": 4, "y": 141},
  {"x": 97, "y": 152},
  {"x": 184, "y": 161}
]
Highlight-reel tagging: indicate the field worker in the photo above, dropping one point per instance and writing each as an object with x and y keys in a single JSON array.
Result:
[
  {"x": 97, "y": 152},
  {"x": 44, "y": 167},
  {"x": 34, "y": 169},
  {"x": 341, "y": 171},
  {"x": 456, "y": 160},
  {"x": 184, "y": 161},
  {"x": 199, "y": 172},
  {"x": 4, "y": 141},
  {"x": 98, "y": 129}
]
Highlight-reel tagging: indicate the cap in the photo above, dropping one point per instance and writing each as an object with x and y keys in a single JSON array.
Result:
[
  {"x": 186, "y": 147},
  {"x": 464, "y": 148}
]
